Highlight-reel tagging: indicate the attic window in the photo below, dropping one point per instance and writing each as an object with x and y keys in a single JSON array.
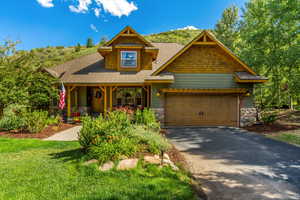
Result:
[{"x": 128, "y": 59}]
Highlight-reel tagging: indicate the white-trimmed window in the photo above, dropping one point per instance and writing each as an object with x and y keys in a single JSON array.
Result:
[{"x": 128, "y": 59}]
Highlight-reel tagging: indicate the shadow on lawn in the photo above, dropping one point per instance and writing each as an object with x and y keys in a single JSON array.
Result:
[{"x": 69, "y": 155}]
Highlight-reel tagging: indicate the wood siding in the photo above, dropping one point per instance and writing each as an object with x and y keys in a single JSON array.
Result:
[
  {"x": 203, "y": 81},
  {"x": 204, "y": 59},
  {"x": 112, "y": 60}
]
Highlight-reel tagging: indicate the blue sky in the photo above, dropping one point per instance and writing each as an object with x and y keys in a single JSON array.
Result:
[{"x": 39, "y": 23}]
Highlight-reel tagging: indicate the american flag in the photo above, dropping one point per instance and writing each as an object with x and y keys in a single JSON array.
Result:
[{"x": 62, "y": 96}]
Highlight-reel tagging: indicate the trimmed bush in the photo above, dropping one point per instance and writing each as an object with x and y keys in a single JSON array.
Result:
[
  {"x": 17, "y": 117},
  {"x": 36, "y": 121},
  {"x": 13, "y": 117}
]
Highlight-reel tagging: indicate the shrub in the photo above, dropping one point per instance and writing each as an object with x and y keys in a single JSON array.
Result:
[
  {"x": 91, "y": 130},
  {"x": 268, "y": 118},
  {"x": 13, "y": 117},
  {"x": 152, "y": 141},
  {"x": 147, "y": 117},
  {"x": 60, "y": 47},
  {"x": 95, "y": 131},
  {"x": 36, "y": 121},
  {"x": 115, "y": 149},
  {"x": 54, "y": 120},
  {"x": 114, "y": 136}
]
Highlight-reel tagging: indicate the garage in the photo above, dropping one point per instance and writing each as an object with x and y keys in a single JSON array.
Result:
[{"x": 201, "y": 110}]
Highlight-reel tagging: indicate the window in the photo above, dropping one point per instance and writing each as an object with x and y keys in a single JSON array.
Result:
[{"x": 128, "y": 59}]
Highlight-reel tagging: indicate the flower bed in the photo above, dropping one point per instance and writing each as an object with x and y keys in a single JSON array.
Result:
[{"x": 121, "y": 134}]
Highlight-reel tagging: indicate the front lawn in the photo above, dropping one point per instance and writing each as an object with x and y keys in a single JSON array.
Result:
[
  {"x": 33, "y": 169},
  {"x": 291, "y": 137}
]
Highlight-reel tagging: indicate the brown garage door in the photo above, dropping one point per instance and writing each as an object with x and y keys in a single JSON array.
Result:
[{"x": 201, "y": 110}]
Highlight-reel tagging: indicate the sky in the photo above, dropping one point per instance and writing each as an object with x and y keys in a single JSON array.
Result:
[{"x": 41, "y": 23}]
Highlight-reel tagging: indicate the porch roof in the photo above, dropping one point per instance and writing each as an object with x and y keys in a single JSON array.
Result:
[{"x": 91, "y": 69}]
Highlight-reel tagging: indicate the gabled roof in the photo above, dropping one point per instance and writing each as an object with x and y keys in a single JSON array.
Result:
[
  {"x": 128, "y": 31},
  {"x": 204, "y": 38},
  {"x": 90, "y": 69}
]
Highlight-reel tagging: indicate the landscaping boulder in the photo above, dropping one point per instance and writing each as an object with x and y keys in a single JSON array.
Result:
[
  {"x": 106, "y": 166},
  {"x": 174, "y": 167},
  {"x": 168, "y": 162},
  {"x": 127, "y": 164},
  {"x": 152, "y": 159},
  {"x": 90, "y": 162},
  {"x": 166, "y": 156}
]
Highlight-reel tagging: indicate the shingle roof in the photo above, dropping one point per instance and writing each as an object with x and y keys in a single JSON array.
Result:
[
  {"x": 91, "y": 69},
  {"x": 248, "y": 76}
]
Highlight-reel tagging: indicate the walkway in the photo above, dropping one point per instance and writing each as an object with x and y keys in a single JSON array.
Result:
[{"x": 66, "y": 135}]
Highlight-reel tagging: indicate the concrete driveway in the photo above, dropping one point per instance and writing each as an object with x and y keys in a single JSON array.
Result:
[{"x": 233, "y": 164}]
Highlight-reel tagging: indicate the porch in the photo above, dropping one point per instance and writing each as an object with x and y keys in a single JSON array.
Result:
[{"x": 100, "y": 99}]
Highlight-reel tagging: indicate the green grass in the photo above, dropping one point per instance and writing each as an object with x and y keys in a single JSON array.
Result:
[
  {"x": 33, "y": 169},
  {"x": 288, "y": 137}
]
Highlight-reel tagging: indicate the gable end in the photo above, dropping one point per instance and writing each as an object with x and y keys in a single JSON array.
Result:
[{"x": 205, "y": 40}]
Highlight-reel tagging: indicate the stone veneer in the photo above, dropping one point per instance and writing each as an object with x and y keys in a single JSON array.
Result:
[
  {"x": 247, "y": 116},
  {"x": 160, "y": 114}
]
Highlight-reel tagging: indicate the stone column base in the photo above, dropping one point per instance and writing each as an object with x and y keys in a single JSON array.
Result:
[
  {"x": 160, "y": 114},
  {"x": 248, "y": 116}
]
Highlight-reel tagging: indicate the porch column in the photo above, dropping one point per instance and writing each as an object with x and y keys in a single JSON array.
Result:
[
  {"x": 111, "y": 98},
  {"x": 105, "y": 100},
  {"x": 148, "y": 96},
  {"x": 68, "y": 101},
  {"x": 76, "y": 98}
]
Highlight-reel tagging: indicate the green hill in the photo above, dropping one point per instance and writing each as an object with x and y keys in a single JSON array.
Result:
[
  {"x": 52, "y": 56},
  {"x": 178, "y": 36}
]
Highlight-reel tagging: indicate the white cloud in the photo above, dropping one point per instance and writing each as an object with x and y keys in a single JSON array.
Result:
[
  {"x": 97, "y": 11},
  {"x": 46, "y": 3},
  {"x": 187, "y": 28},
  {"x": 117, "y": 7},
  {"x": 82, "y": 7},
  {"x": 94, "y": 28}
]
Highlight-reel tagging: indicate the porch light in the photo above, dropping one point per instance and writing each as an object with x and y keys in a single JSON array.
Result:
[{"x": 158, "y": 94}]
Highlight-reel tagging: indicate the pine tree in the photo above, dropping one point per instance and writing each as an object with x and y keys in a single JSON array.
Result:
[
  {"x": 89, "y": 43},
  {"x": 103, "y": 40},
  {"x": 78, "y": 47}
]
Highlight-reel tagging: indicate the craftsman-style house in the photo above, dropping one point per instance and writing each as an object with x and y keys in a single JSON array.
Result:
[{"x": 200, "y": 84}]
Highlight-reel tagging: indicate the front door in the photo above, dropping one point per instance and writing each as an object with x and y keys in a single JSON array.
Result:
[{"x": 97, "y": 100}]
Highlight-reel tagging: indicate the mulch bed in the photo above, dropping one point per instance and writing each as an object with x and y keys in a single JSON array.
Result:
[
  {"x": 271, "y": 128},
  {"x": 177, "y": 157},
  {"x": 175, "y": 154},
  {"x": 47, "y": 132}
]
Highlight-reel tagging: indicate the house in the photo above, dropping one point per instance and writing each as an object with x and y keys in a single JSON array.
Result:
[{"x": 200, "y": 84}]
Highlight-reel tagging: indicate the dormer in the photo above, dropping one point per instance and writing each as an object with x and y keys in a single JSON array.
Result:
[{"x": 128, "y": 51}]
